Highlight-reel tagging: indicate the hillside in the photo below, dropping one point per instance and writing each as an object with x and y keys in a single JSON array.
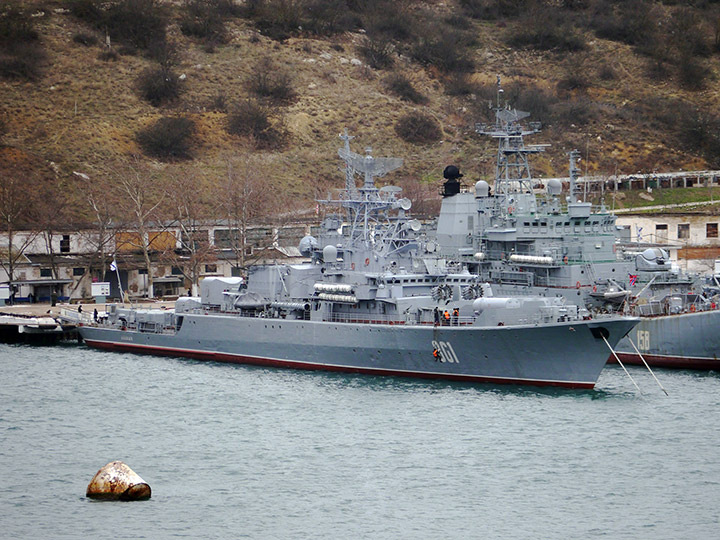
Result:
[{"x": 627, "y": 106}]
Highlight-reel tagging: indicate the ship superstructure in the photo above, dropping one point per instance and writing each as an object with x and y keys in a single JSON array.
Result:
[
  {"x": 376, "y": 295},
  {"x": 555, "y": 244}
]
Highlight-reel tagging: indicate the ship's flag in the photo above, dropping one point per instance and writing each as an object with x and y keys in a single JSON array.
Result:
[
  {"x": 633, "y": 279},
  {"x": 113, "y": 266}
]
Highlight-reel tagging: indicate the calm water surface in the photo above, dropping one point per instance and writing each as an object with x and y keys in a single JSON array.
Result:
[{"x": 243, "y": 452}]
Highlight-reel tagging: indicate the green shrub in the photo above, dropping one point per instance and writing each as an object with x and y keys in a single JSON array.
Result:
[
  {"x": 418, "y": 128},
  {"x": 443, "y": 50},
  {"x": 136, "y": 23},
  {"x": 377, "y": 52},
  {"x": 168, "y": 138},
  {"x": 159, "y": 86},
  {"x": 459, "y": 84},
  {"x": 205, "y": 19},
  {"x": 269, "y": 81},
  {"x": 401, "y": 87},
  {"x": 252, "y": 119},
  {"x": 85, "y": 39}
]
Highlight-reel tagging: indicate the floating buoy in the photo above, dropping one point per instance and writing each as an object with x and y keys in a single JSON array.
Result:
[{"x": 117, "y": 482}]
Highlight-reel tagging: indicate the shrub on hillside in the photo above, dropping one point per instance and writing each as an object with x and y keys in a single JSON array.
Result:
[
  {"x": 389, "y": 19},
  {"x": 21, "y": 55},
  {"x": 136, "y": 23},
  {"x": 83, "y": 38},
  {"x": 400, "y": 86},
  {"x": 271, "y": 82},
  {"x": 544, "y": 30},
  {"x": 168, "y": 138},
  {"x": 205, "y": 19},
  {"x": 633, "y": 23},
  {"x": 252, "y": 119},
  {"x": 327, "y": 17},
  {"x": 377, "y": 52},
  {"x": 89, "y": 11},
  {"x": 493, "y": 9},
  {"x": 139, "y": 23},
  {"x": 276, "y": 19},
  {"x": 459, "y": 84},
  {"x": 693, "y": 74},
  {"x": 16, "y": 26},
  {"x": 444, "y": 50},
  {"x": 159, "y": 86},
  {"x": 22, "y": 61},
  {"x": 419, "y": 128}
]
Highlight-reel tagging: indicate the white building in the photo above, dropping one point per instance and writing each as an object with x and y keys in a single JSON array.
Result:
[{"x": 691, "y": 238}]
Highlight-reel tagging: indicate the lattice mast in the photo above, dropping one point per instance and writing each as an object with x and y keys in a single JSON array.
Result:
[
  {"x": 512, "y": 169},
  {"x": 367, "y": 206}
]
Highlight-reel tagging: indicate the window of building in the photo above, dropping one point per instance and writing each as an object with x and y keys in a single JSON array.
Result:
[
  {"x": 65, "y": 244},
  {"x": 176, "y": 271},
  {"x": 78, "y": 271},
  {"x": 142, "y": 271},
  {"x": 46, "y": 272},
  {"x": 661, "y": 232},
  {"x": 209, "y": 268},
  {"x": 226, "y": 238},
  {"x": 711, "y": 230},
  {"x": 683, "y": 231}
]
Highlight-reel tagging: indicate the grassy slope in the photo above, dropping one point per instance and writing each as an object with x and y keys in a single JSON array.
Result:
[{"x": 84, "y": 112}]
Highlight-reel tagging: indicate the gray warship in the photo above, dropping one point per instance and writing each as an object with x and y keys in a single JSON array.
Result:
[
  {"x": 557, "y": 245},
  {"x": 375, "y": 296}
]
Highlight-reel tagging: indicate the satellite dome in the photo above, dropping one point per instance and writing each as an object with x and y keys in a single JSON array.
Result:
[
  {"x": 306, "y": 246},
  {"x": 482, "y": 188},
  {"x": 554, "y": 186},
  {"x": 451, "y": 172},
  {"x": 330, "y": 254}
]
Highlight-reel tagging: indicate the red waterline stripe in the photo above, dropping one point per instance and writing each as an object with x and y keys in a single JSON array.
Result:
[
  {"x": 676, "y": 362},
  {"x": 259, "y": 361}
]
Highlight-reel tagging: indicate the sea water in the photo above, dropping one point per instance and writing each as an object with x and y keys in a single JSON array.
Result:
[{"x": 244, "y": 452}]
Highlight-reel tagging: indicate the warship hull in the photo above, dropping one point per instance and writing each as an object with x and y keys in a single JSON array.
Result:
[
  {"x": 568, "y": 354},
  {"x": 684, "y": 341}
]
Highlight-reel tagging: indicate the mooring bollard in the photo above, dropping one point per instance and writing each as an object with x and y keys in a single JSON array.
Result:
[{"x": 117, "y": 482}]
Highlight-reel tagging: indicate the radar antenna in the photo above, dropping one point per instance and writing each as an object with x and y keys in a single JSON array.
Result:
[
  {"x": 512, "y": 170},
  {"x": 367, "y": 207}
]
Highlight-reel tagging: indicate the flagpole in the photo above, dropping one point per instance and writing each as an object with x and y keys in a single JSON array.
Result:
[{"x": 114, "y": 266}]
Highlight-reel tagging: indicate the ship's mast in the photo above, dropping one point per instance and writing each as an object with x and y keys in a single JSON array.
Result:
[
  {"x": 575, "y": 191},
  {"x": 367, "y": 207},
  {"x": 512, "y": 170}
]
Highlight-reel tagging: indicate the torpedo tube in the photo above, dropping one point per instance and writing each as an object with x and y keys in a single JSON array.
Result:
[{"x": 117, "y": 482}]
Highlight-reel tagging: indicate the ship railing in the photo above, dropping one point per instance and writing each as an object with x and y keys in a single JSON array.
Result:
[{"x": 426, "y": 318}]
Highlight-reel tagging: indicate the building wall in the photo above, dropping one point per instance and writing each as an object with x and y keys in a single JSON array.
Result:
[
  {"x": 72, "y": 250},
  {"x": 693, "y": 239}
]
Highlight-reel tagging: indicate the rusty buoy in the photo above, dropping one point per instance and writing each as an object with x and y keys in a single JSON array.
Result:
[{"x": 117, "y": 482}]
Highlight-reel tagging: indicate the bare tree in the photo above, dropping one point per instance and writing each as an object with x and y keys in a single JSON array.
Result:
[
  {"x": 140, "y": 196},
  {"x": 243, "y": 199},
  {"x": 100, "y": 233},
  {"x": 18, "y": 206},
  {"x": 189, "y": 206}
]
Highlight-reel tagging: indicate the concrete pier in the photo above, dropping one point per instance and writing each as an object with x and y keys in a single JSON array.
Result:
[{"x": 33, "y": 323}]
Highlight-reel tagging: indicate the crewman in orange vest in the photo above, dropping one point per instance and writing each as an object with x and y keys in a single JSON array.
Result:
[{"x": 446, "y": 316}]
